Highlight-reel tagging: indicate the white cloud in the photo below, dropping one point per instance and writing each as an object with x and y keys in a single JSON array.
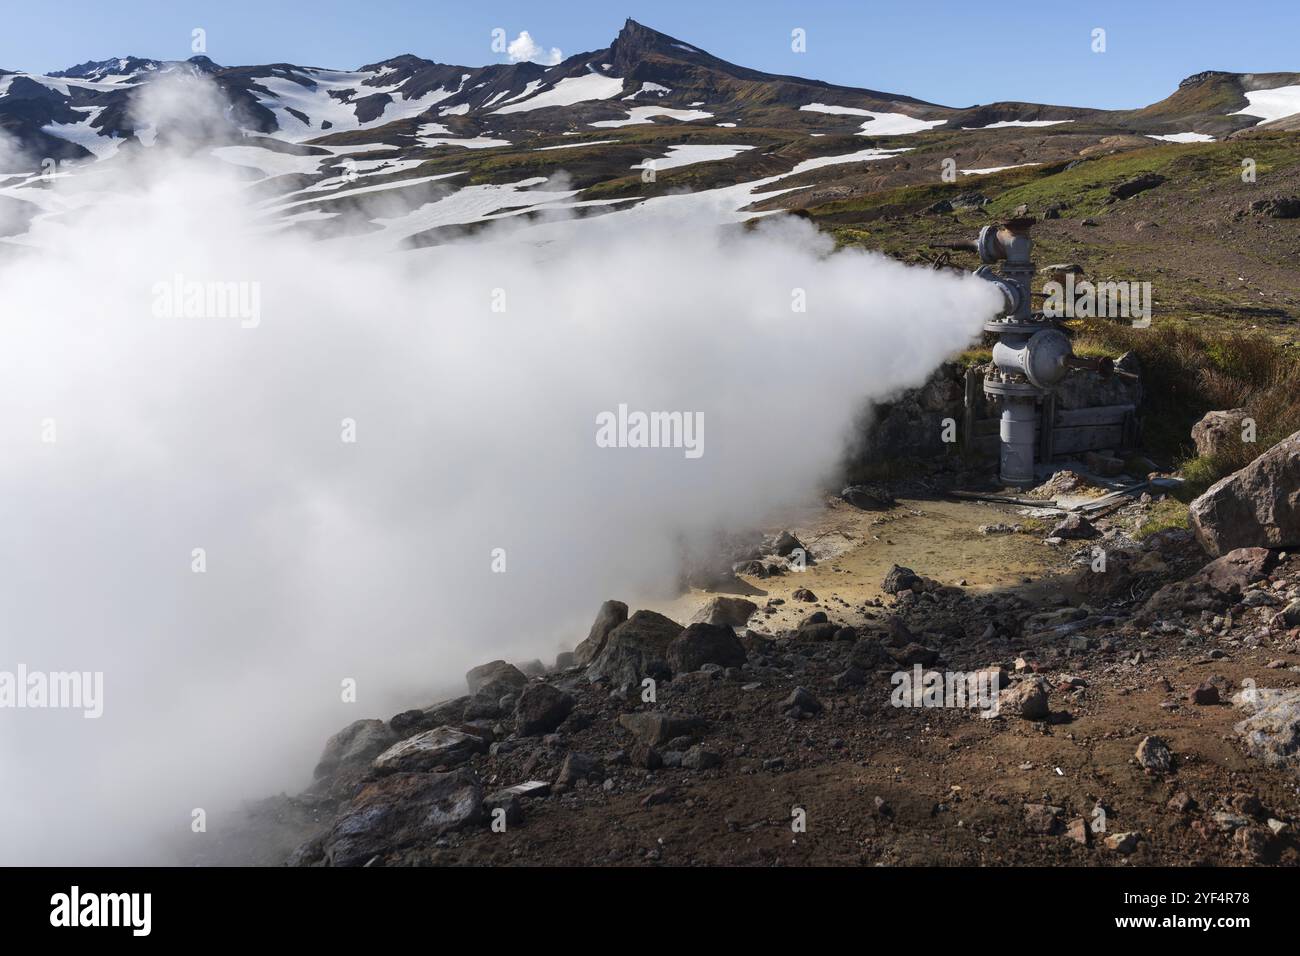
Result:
[{"x": 524, "y": 49}]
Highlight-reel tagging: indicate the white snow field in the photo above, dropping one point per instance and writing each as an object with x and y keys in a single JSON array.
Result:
[
  {"x": 878, "y": 124},
  {"x": 1271, "y": 105}
]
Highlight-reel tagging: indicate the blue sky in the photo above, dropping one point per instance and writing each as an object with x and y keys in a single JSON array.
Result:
[{"x": 954, "y": 53}]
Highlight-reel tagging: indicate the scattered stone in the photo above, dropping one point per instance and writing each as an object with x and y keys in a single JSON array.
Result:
[
  {"x": 354, "y": 747},
  {"x": 656, "y": 727},
  {"x": 850, "y": 677},
  {"x": 540, "y": 709},
  {"x": 579, "y": 766},
  {"x": 610, "y": 616},
  {"x": 803, "y": 594},
  {"x": 1027, "y": 699},
  {"x": 401, "y": 810},
  {"x": 1277, "y": 207},
  {"x": 1075, "y": 527},
  {"x": 1218, "y": 431},
  {"x": 657, "y": 797},
  {"x": 1181, "y": 802},
  {"x": 1124, "y": 843},
  {"x": 1138, "y": 184},
  {"x": 800, "y": 702},
  {"x": 1078, "y": 831},
  {"x": 1272, "y": 731},
  {"x": 1154, "y": 756},
  {"x": 1204, "y": 695},
  {"x": 786, "y": 543},
  {"x": 702, "y": 644},
  {"x": 867, "y": 654},
  {"x": 440, "y": 747},
  {"x": 495, "y": 679},
  {"x": 725, "y": 612},
  {"x": 899, "y": 579},
  {"x": 819, "y": 631},
  {"x": 1041, "y": 818},
  {"x": 868, "y": 497},
  {"x": 914, "y": 654},
  {"x": 697, "y": 758}
]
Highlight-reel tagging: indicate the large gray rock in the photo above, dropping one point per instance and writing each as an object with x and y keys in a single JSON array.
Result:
[
  {"x": 540, "y": 709},
  {"x": 440, "y": 747},
  {"x": 1216, "y": 432},
  {"x": 702, "y": 644},
  {"x": 354, "y": 747},
  {"x": 1258, "y": 506},
  {"x": 636, "y": 648},
  {"x": 1271, "y": 732},
  {"x": 1213, "y": 588},
  {"x": 402, "y": 810},
  {"x": 1027, "y": 699},
  {"x": 495, "y": 679},
  {"x": 656, "y": 727},
  {"x": 725, "y": 612},
  {"x": 610, "y": 616}
]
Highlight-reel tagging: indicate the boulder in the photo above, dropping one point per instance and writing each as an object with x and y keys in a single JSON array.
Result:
[
  {"x": 1258, "y": 506},
  {"x": 1271, "y": 732},
  {"x": 899, "y": 579},
  {"x": 799, "y": 702},
  {"x": 1074, "y": 527},
  {"x": 868, "y": 497},
  {"x": 725, "y": 612},
  {"x": 440, "y": 747},
  {"x": 697, "y": 758},
  {"x": 1138, "y": 184},
  {"x": 1221, "y": 582},
  {"x": 495, "y": 679},
  {"x": 867, "y": 654},
  {"x": 786, "y": 543},
  {"x": 610, "y": 616},
  {"x": 655, "y": 728},
  {"x": 1153, "y": 755},
  {"x": 702, "y": 644},
  {"x": 579, "y": 766},
  {"x": 1027, "y": 699},
  {"x": 540, "y": 709},
  {"x": 819, "y": 631},
  {"x": 1216, "y": 432},
  {"x": 635, "y": 649},
  {"x": 354, "y": 747},
  {"x": 402, "y": 810}
]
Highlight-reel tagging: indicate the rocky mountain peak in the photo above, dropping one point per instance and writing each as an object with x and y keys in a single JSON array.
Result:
[{"x": 1198, "y": 78}]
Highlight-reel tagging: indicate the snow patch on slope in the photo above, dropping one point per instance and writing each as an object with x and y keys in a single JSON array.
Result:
[{"x": 878, "y": 124}]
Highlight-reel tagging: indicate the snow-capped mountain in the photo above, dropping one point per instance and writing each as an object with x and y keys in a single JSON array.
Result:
[{"x": 477, "y": 142}]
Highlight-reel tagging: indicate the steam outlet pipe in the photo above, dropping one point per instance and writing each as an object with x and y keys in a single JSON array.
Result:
[{"x": 1030, "y": 357}]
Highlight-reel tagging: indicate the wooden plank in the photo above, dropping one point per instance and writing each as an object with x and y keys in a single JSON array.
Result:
[
  {"x": 1098, "y": 415},
  {"x": 1067, "y": 441}
]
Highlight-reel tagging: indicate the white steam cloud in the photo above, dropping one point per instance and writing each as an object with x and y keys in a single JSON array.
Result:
[{"x": 371, "y": 560}]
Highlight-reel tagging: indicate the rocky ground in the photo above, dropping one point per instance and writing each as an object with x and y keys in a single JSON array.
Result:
[{"x": 1140, "y": 705}]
